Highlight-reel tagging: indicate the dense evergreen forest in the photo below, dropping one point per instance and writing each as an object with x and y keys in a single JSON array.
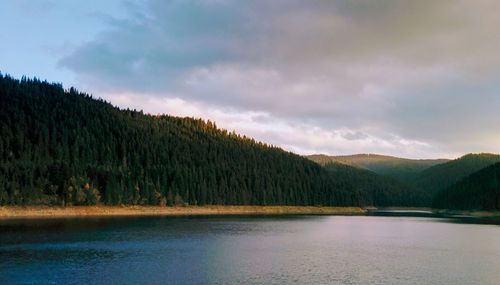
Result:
[
  {"x": 64, "y": 147},
  {"x": 478, "y": 191}
]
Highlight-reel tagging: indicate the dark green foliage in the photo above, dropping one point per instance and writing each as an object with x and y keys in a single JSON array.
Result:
[
  {"x": 478, "y": 191},
  {"x": 442, "y": 176},
  {"x": 376, "y": 189},
  {"x": 420, "y": 180},
  {"x": 64, "y": 147},
  {"x": 403, "y": 169}
]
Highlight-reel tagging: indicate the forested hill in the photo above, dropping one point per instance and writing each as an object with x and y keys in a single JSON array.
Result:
[
  {"x": 377, "y": 189},
  {"x": 64, "y": 147},
  {"x": 442, "y": 176},
  {"x": 402, "y": 169},
  {"x": 414, "y": 183},
  {"x": 478, "y": 191}
]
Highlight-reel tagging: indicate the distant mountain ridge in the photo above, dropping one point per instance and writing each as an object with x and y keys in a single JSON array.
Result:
[
  {"x": 423, "y": 179},
  {"x": 376, "y": 189},
  {"x": 403, "y": 169}
]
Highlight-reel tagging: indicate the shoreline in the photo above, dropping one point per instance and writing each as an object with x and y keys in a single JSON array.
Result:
[
  {"x": 47, "y": 212},
  {"x": 468, "y": 213}
]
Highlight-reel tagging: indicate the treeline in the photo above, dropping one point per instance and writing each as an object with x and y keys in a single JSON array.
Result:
[
  {"x": 64, "y": 147},
  {"x": 478, "y": 191}
]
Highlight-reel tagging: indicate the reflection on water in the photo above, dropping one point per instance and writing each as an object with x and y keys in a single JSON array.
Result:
[{"x": 242, "y": 250}]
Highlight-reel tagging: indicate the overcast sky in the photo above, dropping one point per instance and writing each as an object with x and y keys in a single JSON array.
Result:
[{"x": 418, "y": 79}]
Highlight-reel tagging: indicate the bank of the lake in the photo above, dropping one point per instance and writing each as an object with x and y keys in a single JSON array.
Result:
[
  {"x": 13, "y": 212},
  {"x": 473, "y": 216},
  {"x": 468, "y": 213}
]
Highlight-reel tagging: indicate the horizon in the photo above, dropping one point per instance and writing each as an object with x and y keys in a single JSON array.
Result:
[
  {"x": 407, "y": 79},
  {"x": 66, "y": 89}
]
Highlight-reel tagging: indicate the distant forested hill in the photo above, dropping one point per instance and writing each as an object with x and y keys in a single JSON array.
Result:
[
  {"x": 417, "y": 180},
  {"x": 377, "y": 189},
  {"x": 478, "y": 191},
  {"x": 403, "y": 169},
  {"x": 64, "y": 147},
  {"x": 442, "y": 176}
]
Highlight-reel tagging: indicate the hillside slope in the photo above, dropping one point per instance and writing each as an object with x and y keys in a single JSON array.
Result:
[
  {"x": 402, "y": 169},
  {"x": 64, "y": 147},
  {"x": 478, "y": 191},
  {"x": 442, "y": 176},
  {"x": 377, "y": 190}
]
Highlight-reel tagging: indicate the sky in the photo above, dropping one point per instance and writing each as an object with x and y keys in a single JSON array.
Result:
[{"x": 417, "y": 79}]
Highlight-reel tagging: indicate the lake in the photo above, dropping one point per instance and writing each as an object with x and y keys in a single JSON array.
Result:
[{"x": 249, "y": 250}]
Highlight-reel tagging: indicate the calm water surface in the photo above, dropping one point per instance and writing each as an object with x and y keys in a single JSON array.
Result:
[{"x": 249, "y": 250}]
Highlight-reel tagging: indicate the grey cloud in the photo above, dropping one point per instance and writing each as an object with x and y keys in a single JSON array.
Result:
[{"x": 375, "y": 67}]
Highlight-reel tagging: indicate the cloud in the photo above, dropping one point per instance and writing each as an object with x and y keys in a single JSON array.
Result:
[
  {"x": 400, "y": 77},
  {"x": 299, "y": 137}
]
